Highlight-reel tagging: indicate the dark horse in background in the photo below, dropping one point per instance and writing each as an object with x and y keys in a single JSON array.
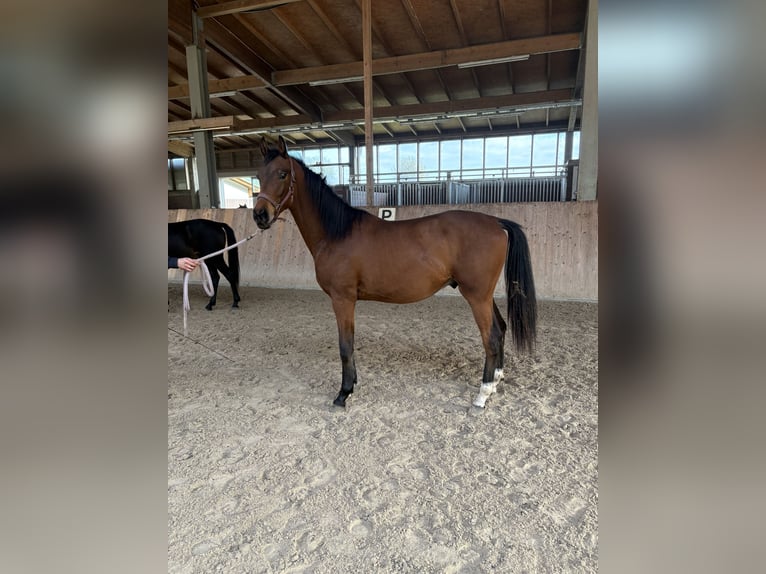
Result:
[
  {"x": 198, "y": 237},
  {"x": 358, "y": 256}
]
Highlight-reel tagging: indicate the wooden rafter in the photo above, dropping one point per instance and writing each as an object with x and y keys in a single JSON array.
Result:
[
  {"x": 475, "y": 104},
  {"x": 180, "y": 148},
  {"x": 464, "y": 40},
  {"x": 430, "y": 60},
  {"x": 237, "y": 6},
  {"x": 342, "y": 40},
  {"x": 389, "y": 113},
  {"x": 239, "y": 83},
  {"x": 229, "y": 43}
]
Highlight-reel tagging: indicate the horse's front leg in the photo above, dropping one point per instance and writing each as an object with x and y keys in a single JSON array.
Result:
[{"x": 344, "y": 315}]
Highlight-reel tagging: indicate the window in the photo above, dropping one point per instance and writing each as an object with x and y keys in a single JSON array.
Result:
[
  {"x": 330, "y": 162},
  {"x": 576, "y": 146},
  {"x": 408, "y": 161},
  {"x": 495, "y": 156},
  {"x": 312, "y": 157},
  {"x": 386, "y": 170},
  {"x": 361, "y": 161},
  {"x": 519, "y": 155},
  {"x": 473, "y": 158},
  {"x": 561, "y": 159},
  {"x": 329, "y": 155},
  {"x": 331, "y": 174},
  {"x": 544, "y": 154},
  {"x": 428, "y": 160},
  {"x": 538, "y": 155},
  {"x": 449, "y": 152},
  {"x": 177, "y": 174}
]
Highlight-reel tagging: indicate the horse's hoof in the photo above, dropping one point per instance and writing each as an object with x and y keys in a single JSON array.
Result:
[
  {"x": 209, "y": 307},
  {"x": 340, "y": 402},
  {"x": 235, "y": 305}
]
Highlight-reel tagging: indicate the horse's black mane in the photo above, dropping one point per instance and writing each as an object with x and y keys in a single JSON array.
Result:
[{"x": 337, "y": 216}]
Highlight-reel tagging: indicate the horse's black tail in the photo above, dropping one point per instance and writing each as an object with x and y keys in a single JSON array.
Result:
[
  {"x": 520, "y": 286},
  {"x": 233, "y": 253}
]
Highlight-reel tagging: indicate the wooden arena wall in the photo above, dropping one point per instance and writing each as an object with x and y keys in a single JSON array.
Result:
[{"x": 563, "y": 239}]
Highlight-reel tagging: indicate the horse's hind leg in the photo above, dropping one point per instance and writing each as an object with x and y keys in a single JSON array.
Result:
[
  {"x": 234, "y": 291},
  {"x": 498, "y": 324},
  {"x": 216, "y": 278},
  {"x": 492, "y": 328}
]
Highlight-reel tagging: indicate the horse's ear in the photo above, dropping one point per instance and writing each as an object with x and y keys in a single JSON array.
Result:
[
  {"x": 264, "y": 147},
  {"x": 282, "y": 146}
]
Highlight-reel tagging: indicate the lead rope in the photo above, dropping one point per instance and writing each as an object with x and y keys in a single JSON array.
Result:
[{"x": 207, "y": 281}]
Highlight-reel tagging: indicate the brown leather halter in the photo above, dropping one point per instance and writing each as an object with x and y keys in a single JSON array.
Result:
[{"x": 288, "y": 196}]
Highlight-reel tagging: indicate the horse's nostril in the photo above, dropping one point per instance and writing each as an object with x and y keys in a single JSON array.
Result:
[{"x": 261, "y": 217}]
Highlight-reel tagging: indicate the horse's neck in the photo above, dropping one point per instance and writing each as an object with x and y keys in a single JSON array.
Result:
[{"x": 306, "y": 217}]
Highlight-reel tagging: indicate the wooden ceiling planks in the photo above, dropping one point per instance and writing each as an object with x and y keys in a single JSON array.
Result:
[{"x": 269, "y": 56}]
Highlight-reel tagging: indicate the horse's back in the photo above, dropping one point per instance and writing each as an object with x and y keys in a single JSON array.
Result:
[
  {"x": 195, "y": 237},
  {"x": 455, "y": 229}
]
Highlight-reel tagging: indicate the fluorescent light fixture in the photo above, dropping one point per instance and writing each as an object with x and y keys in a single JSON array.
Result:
[
  {"x": 548, "y": 106},
  {"x": 505, "y": 60},
  {"x": 336, "y": 81},
  {"x": 417, "y": 120},
  {"x": 200, "y": 129},
  {"x": 223, "y": 94},
  {"x": 500, "y": 113}
]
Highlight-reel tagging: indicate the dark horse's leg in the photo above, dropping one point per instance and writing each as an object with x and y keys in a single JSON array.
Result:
[
  {"x": 492, "y": 328},
  {"x": 229, "y": 277},
  {"x": 212, "y": 266},
  {"x": 344, "y": 315}
]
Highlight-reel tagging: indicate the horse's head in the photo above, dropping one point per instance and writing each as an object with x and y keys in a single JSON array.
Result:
[{"x": 277, "y": 177}]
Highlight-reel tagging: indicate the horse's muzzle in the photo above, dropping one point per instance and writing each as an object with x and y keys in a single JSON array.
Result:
[{"x": 262, "y": 217}]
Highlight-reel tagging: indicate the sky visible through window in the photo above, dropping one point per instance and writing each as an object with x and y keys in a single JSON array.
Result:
[{"x": 537, "y": 155}]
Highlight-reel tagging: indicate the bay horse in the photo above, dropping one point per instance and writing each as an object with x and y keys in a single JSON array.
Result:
[
  {"x": 196, "y": 238},
  {"x": 358, "y": 256}
]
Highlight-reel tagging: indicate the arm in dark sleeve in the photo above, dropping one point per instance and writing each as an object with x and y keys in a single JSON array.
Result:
[{"x": 172, "y": 262}]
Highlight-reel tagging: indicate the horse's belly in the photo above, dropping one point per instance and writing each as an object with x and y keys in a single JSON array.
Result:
[{"x": 404, "y": 286}]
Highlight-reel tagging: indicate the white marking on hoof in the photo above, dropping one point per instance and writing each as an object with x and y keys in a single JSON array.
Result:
[
  {"x": 499, "y": 375},
  {"x": 485, "y": 391}
]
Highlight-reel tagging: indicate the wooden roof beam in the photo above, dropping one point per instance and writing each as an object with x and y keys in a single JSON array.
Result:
[
  {"x": 237, "y": 84},
  {"x": 435, "y": 108},
  {"x": 464, "y": 39},
  {"x": 431, "y": 60},
  {"x": 225, "y": 41},
  {"x": 230, "y": 124},
  {"x": 237, "y": 6},
  {"x": 180, "y": 148}
]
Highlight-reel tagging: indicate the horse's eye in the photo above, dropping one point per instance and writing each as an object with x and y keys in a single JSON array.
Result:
[{"x": 282, "y": 174}]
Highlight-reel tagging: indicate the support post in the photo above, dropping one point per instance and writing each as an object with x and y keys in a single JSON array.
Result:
[
  {"x": 368, "y": 104},
  {"x": 204, "y": 152},
  {"x": 588, "y": 169}
]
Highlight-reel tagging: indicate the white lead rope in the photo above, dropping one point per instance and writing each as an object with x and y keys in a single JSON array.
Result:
[{"x": 207, "y": 281}]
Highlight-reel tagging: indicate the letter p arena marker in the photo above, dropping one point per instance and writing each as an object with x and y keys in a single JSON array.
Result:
[{"x": 387, "y": 213}]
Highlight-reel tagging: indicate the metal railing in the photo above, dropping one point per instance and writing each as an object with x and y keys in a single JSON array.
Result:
[
  {"x": 518, "y": 190},
  {"x": 468, "y": 174},
  {"x": 450, "y": 192}
]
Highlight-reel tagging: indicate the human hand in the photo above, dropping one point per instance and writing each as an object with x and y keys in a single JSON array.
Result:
[{"x": 187, "y": 264}]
